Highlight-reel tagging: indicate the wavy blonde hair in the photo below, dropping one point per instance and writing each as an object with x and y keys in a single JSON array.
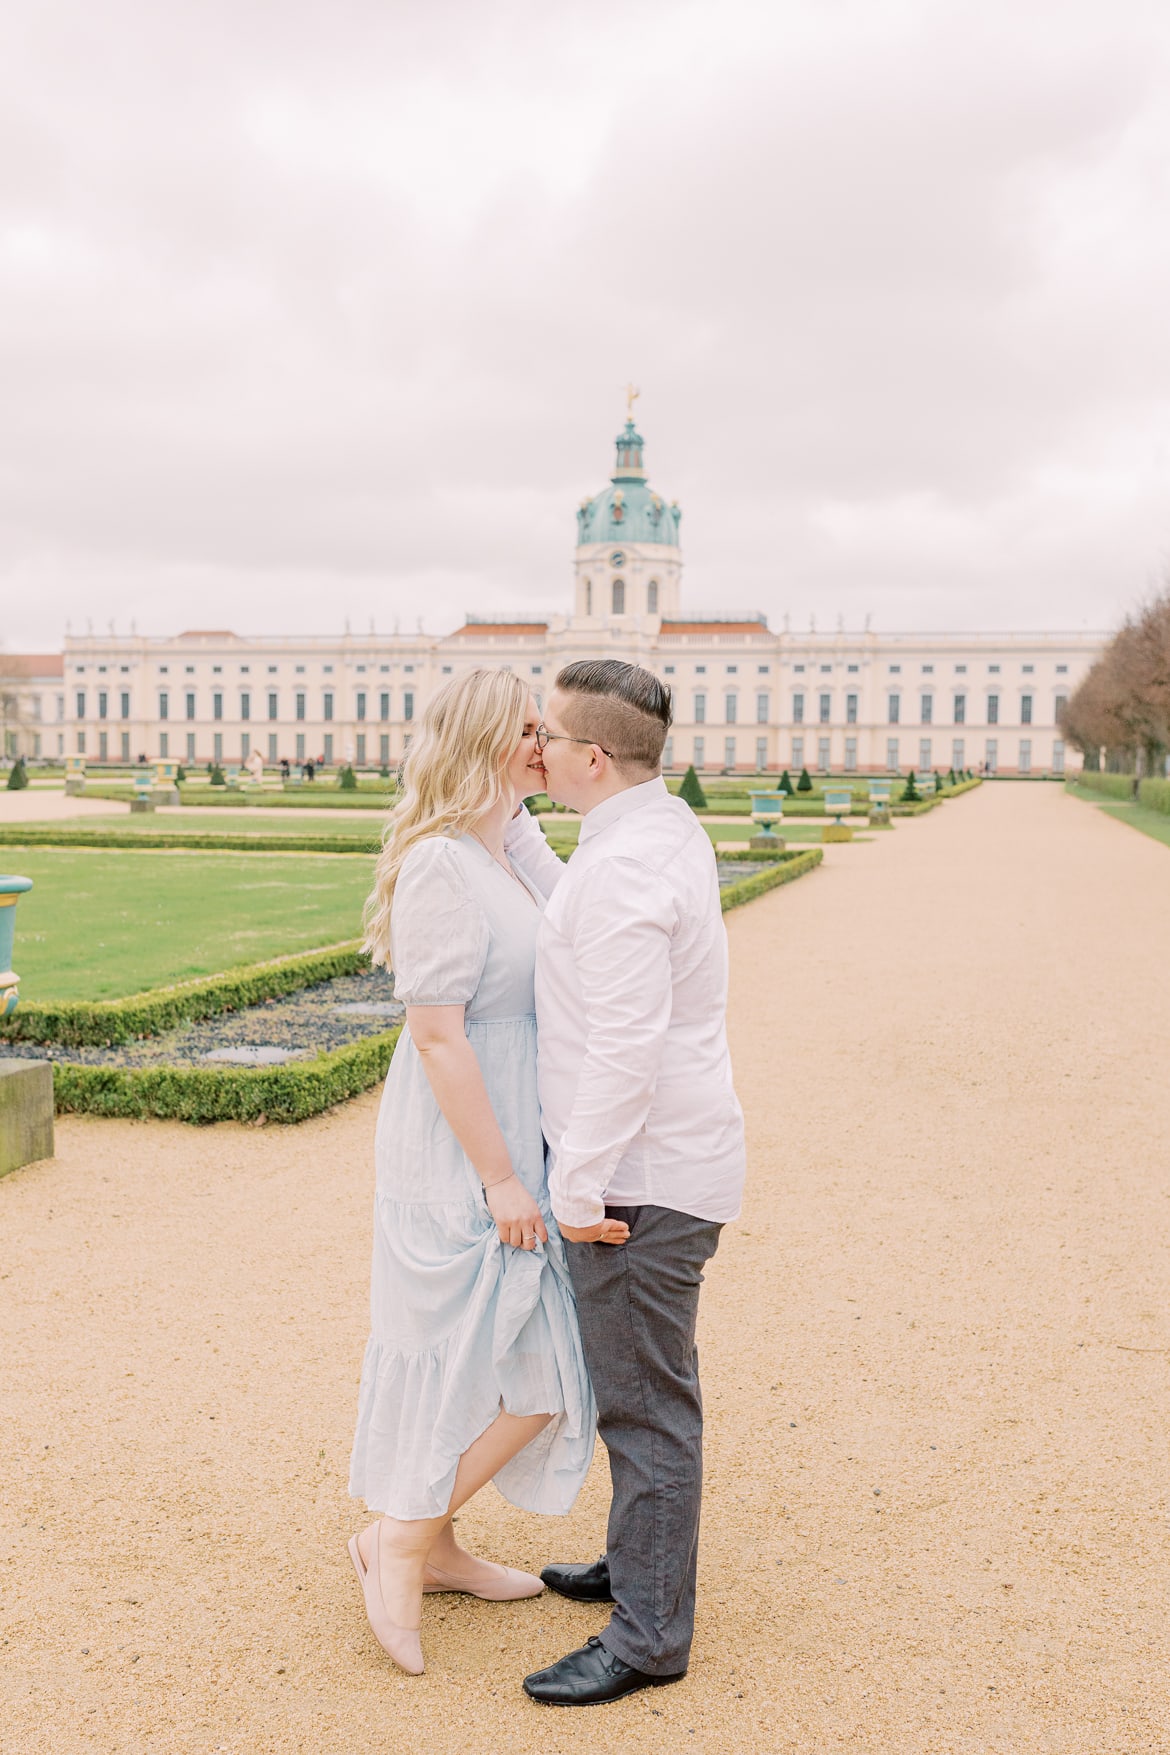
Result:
[{"x": 449, "y": 778}]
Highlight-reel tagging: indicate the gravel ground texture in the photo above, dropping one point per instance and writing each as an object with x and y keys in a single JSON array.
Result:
[{"x": 935, "y": 1352}]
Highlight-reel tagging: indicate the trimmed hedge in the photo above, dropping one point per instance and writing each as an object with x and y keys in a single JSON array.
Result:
[
  {"x": 780, "y": 871},
  {"x": 134, "y": 840},
  {"x": 1155, "y": 795},
  {"x": 319, "y": 796},
  {"x": 105, "y": 1022},
  {"x": 202, "y": 1094},
  {"x": 1109, "y": 785}
]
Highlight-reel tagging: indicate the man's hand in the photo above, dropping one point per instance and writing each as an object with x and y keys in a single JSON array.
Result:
[{"x": 608, "y": 1231}]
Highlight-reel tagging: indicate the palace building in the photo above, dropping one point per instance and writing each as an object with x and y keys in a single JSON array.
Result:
[{"x": 747, "y": 697}]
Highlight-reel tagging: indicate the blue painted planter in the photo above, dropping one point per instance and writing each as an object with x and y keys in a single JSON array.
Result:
[
  {"x": 11, "y": 889},
  {"x": 767, "y": 809}
]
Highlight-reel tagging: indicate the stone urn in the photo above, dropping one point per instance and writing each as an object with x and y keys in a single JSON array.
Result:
[
  {"x": 11, "y": 890},
  {"x": 26, "y": 1086}
]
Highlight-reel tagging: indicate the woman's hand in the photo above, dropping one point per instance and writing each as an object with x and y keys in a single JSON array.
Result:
[{"x": 516, "y": 1214}]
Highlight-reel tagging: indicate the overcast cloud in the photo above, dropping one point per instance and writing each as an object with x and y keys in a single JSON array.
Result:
[{"x": 315, "y": 312}]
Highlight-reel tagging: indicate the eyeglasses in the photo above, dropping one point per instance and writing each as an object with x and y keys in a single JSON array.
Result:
[{"x": 544, "y": 737}]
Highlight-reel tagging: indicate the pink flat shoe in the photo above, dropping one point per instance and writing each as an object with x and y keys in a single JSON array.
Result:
[
  {"x": 400, "y": 1643},
  {"x": 504, "y": 1585}
]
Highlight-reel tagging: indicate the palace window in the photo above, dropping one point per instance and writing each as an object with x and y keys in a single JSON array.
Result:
[
  {"x": 762, "y": 709},
  {"x": 1025, "y": 709},
  {"x": 360, "y": 703},
  {"x": 619, "y": 597},
  {"x": 893, "y": 709},
  {"x": 960, "y": 710},
  {"x": 851, "y": 709},
  {"x": 761, "y": 754},
  {"x": 993, "y": 709},
  {"x": 730, "y": 709},
  {"x": 851, "y": 755},
  {"x": 273, "y": 703},
  {"x": 652, "y": 597},
  {"x": 327, "y": 702},
  {"x": 300, "y": 706},
  {"x": 927, "y": 709},
  {"x": 797, "y": 711},
  {"x": 217, "y": 708},
  {"x": 826, "y": 708},
  {"x": 700, "y": 713},
  {"x": 700, "y": 752},
  {"x": 408, "y": 705},
  {"x": 164, "y": 706},
  {"x": 245, "y": 706},
  {"x": 190, "y": 706}
]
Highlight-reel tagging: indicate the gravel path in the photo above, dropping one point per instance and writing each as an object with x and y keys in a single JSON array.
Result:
[{"x": 935, "y": 1349}]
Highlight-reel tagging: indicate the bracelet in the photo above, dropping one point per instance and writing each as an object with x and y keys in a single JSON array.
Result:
[{"x": 499, "y": 1180}]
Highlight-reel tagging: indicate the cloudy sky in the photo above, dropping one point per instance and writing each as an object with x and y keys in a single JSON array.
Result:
[{"x": 322, "y": 311}]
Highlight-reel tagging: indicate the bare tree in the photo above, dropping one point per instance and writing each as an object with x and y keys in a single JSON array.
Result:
[{"x": 1122, "y": 706}]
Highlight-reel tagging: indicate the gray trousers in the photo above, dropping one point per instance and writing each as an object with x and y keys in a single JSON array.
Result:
[{"x": 637, "y": 1304}]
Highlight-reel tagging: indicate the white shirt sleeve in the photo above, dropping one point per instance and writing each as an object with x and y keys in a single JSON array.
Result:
[
  {"x": 620, "y": 926},
  {"x": 526, "y": 847},
  {"x": 438, "y": 932}
]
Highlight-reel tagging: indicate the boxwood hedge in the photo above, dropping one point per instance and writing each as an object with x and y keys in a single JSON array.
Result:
[
  {"x": 780, "y": 871},
  {"x": 201, "y": 1094},
  {"x": 104, "y": 1022}
]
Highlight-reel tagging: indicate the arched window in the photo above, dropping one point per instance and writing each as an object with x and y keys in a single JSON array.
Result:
[
  {"x": 619, "y": 597},
  {"x": 652, "y": 597}
]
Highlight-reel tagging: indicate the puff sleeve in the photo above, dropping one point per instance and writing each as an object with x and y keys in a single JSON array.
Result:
[{"x": 438, "y": 931}]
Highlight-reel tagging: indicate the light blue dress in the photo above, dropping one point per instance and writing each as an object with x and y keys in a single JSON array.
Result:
[{"x": 461, "y": 1323}]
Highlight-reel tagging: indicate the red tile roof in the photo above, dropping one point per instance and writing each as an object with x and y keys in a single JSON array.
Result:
[
  {"x": 32, "y": 664},
  {"x": 476, "y": 630},
  {"x": 715, "y": 628}
]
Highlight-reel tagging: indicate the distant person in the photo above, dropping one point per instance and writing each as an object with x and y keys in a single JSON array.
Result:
[
  {"x": 474, "y": 1369},
  {"x": 308, "y": 769},
  {"x": 285, "y": 771}
]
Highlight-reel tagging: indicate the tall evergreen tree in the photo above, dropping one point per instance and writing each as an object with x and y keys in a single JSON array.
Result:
[
  {"x": 804, "y": 784},
  {"x": 785, "y": 784}
]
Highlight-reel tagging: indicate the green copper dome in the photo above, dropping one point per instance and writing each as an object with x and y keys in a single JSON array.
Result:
[{"x": 628, "y": 510}]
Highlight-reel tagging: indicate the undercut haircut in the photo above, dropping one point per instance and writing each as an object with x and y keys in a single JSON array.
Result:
[{"x": 620, "y": 706}]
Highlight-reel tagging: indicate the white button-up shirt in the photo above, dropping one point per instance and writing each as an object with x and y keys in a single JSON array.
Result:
[{"x": 636, "y": 1096}]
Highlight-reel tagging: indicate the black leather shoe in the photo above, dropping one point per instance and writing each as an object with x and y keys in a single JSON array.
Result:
[
  {"x": 585, "y": 1584},
  {"x": 590, "y": 1677}
]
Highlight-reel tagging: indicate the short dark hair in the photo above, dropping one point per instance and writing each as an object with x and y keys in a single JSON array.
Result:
[{"x": 619, "y": 706}]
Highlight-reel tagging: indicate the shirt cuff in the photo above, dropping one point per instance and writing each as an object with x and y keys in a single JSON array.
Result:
[{"x": 579, "y": 1212}]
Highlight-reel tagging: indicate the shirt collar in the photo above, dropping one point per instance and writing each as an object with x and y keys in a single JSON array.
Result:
[{"x": 620, "y": 805}]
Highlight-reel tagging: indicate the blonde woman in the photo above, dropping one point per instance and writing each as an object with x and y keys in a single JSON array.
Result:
[{"x": 474, "y": 1370}]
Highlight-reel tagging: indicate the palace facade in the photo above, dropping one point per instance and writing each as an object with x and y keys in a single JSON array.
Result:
[{"x": 747, "y": 698}]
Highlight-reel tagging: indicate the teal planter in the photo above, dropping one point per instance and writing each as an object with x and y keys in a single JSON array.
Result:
[{"x": 11, "y": 889}]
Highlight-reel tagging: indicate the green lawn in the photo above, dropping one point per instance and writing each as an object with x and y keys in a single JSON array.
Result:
[
  {"x": 99, "y": 924},
  {"x": 1150, "y": 822}
]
